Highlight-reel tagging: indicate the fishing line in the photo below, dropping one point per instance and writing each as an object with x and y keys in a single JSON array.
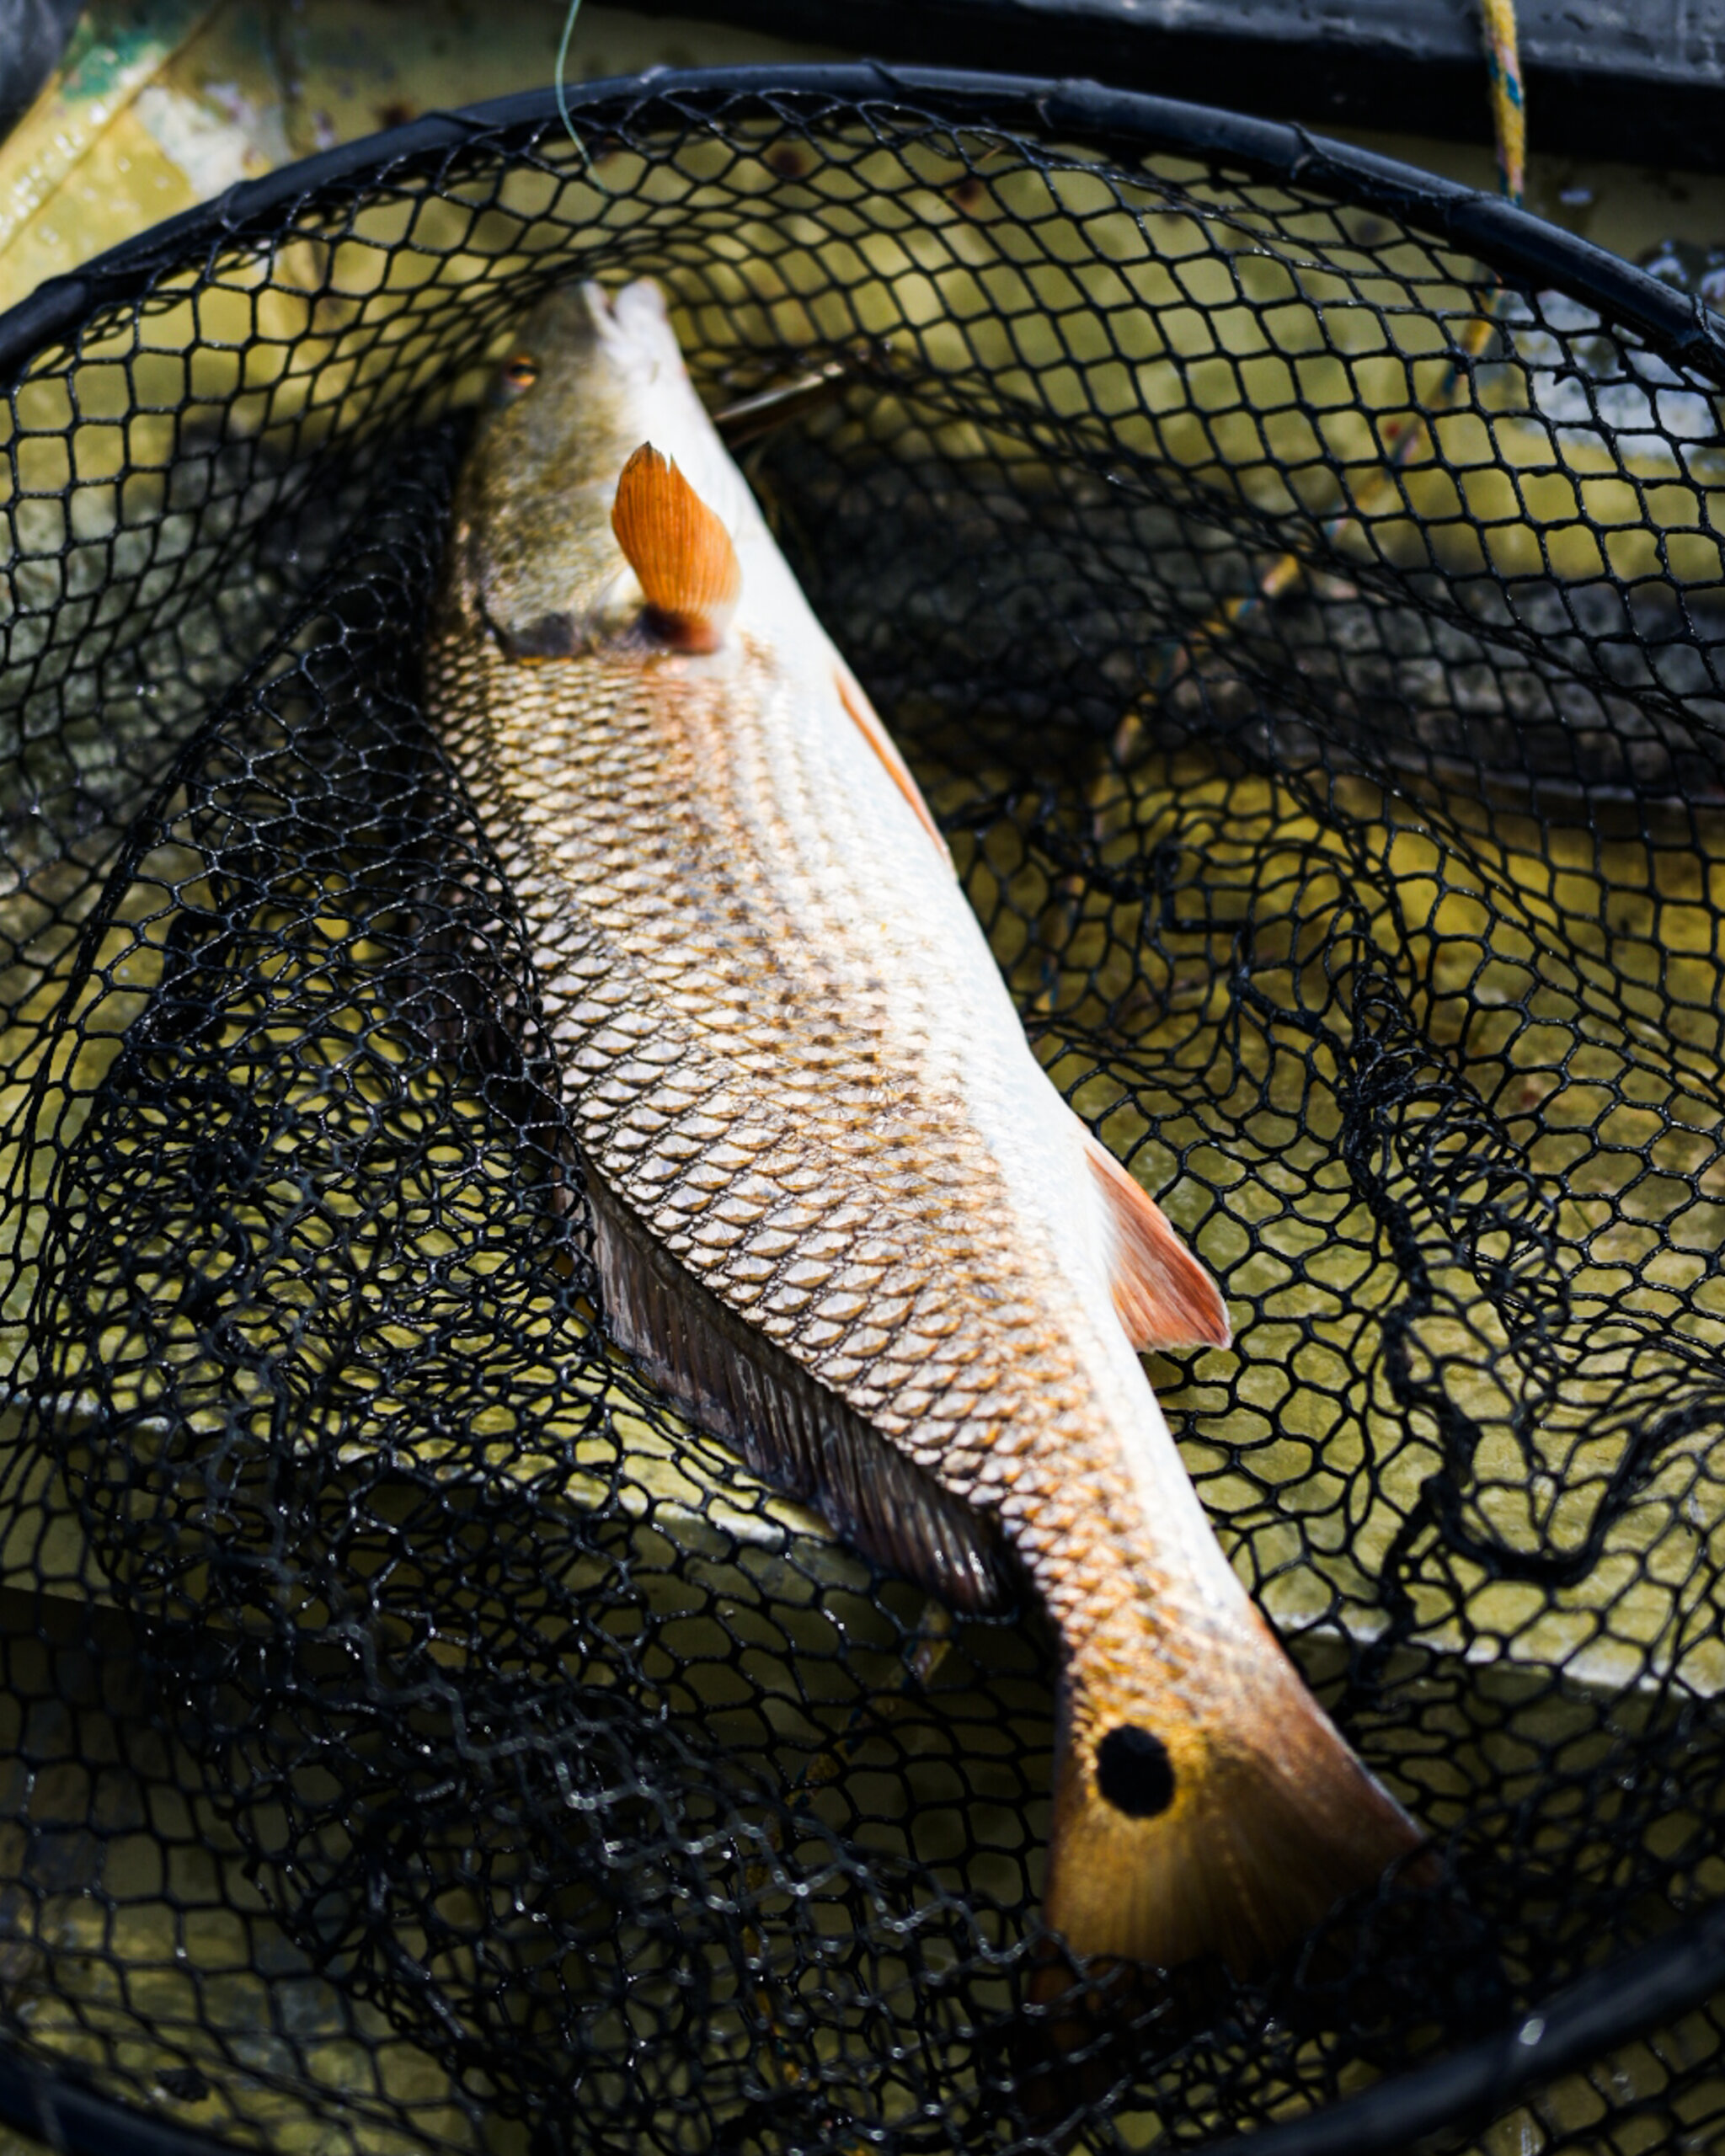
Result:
[{"x": 563, "y": 102}]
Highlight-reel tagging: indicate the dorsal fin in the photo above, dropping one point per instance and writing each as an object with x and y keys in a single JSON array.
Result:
[
  {"x": 855, "y": 701},
  {"x": 1164, "y": 1296},
  {"x": 785, "y": 1424},
  {"x": 678, "y": 549}
]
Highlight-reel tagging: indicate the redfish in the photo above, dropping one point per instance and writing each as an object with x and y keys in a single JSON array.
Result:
[{"x": 843, "y": 1217}]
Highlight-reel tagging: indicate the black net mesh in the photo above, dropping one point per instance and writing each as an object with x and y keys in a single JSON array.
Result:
[{"x": 416, "y": 1737}]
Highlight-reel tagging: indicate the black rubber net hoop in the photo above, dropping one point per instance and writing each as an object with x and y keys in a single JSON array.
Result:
[{"x": 1299, "y": 595}]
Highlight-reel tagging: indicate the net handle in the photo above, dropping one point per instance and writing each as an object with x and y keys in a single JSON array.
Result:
[{"x": 1575, "y": 2026}]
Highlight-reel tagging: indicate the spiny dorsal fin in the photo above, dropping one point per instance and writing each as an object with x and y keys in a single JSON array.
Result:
[
  {"x": 1164, "y": 1296},
  {"x": 678, "y": 548},
  {"x": 866, "y": 719}
]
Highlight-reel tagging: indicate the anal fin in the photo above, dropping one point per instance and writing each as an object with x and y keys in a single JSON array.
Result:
[
  {"x": 1165, "y": 1298},
  {"x": 789, "y": 1429},
  {"x": 866, "y": 720}
]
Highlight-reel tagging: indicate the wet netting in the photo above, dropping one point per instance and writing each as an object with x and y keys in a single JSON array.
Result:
[{"x": 1298, "y": 588}]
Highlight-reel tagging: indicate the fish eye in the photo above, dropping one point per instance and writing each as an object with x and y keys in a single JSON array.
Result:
[
  {"x": 1134, "y": 1772},
  {"x": 520, "y": 372}
]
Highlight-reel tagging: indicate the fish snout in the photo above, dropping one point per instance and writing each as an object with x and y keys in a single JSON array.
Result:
[
  {"x": 633, "y": 327},
  {"x": 641, "y": 303}
]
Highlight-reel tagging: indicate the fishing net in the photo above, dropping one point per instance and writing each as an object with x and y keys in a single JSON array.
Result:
[{"x": 1298, "y": 589}]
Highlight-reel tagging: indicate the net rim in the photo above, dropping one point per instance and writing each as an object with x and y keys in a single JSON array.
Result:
[
  {"x": 1581, "y": 2021},
  {"x": 68, "y": 2116},
  {"x": 1469, "y": 2086},
  {"x": 1509, "y": 239}
]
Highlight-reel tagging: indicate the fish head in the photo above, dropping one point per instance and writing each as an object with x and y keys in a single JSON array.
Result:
[{"x": 534, "y": 550}]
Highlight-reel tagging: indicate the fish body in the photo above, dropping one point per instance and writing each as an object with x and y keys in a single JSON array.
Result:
[{"x": 843, "y": 1215}]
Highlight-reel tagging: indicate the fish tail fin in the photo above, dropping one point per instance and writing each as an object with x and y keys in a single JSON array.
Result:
[{"x": 1173, "y": 1840}]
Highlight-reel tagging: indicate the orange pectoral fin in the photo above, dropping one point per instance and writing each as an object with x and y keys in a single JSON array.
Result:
[
  {"x": 678, "y": 548},
  {"x": 868, "y": 720},
  {"x": 1164, "y": 1296}
]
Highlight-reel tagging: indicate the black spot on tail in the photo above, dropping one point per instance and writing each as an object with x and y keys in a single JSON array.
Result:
[{"x": 1134, "y": 1772}]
